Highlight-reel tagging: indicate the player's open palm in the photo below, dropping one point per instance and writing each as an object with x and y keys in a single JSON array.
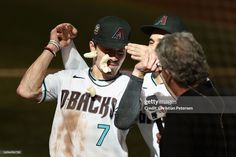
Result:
[
  {"x": 147, "y": 62},
  {"x": 136, "y": 51}
]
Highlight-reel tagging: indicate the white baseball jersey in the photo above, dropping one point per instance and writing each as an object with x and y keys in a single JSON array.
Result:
[
  {"x": 147, "y": 128},
  {"x": 83, "y": 126},
  {"x": 150, "y": 91}
]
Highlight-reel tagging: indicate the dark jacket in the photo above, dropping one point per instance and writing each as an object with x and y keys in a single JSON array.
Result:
[{"x": 194, "y": 134}]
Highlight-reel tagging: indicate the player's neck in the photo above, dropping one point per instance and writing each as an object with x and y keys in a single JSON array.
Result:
[{"x": 158, "y": 80}]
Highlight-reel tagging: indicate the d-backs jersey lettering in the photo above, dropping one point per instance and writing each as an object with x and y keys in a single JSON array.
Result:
[{"x": 83, "y": 126}]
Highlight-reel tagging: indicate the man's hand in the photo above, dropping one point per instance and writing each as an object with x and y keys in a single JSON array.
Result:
[{"x": 63, "y": 33}]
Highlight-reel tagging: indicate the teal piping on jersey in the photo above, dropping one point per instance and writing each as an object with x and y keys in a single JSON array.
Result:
[
  {"x": 45, "y": 89},
  {"x": 109, "y": 81},
  {"x": 153, "y": 80}
]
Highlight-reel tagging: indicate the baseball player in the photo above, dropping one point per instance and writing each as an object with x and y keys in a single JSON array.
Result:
[
  {"x": 153, "y": 91},
  {"x": 83, "y": 124},
  {"x": 152, "y": 87}
]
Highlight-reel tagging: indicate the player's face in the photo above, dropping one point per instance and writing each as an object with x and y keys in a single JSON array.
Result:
[
  {"x": 154, "y": 40},
  {"x": 116, "y": 58}
]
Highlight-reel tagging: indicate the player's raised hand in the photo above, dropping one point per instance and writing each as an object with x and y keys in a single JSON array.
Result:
[
  {"x": 136, "y": 51},
  {"x": 148, "y": 63},
  {"x": 63, "y": 33},
  {"x": 66, "y": 32}
]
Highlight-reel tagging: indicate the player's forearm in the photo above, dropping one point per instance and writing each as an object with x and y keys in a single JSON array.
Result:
[
  {"x": 129, "y": 106},
  {"x": 71, "y": 58},
  {"x": 66, "y": 52},
  {"x": 30, "y": 85}
]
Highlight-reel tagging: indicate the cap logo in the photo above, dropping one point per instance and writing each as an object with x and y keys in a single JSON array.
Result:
[
  {"x": 96, "y": 29},
  {"x": 162, "y": 21},
  {"x": 119, "y": 34}
]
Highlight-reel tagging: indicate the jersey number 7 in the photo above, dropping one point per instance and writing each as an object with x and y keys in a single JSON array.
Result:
[{"x": 104, "y": 133}]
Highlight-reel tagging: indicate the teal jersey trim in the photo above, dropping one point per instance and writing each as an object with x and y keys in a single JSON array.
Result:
[
  {"x": 45, "y": 91},
  {"x": 153, "y": 80}
]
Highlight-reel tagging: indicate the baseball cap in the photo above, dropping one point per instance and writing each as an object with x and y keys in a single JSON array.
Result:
[
  {"x": 112, "y": 32},
  {"x": 165, "y": 24}
]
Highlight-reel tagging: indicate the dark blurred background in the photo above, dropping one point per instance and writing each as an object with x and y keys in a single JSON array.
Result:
[{"x": 24, "y": 31}]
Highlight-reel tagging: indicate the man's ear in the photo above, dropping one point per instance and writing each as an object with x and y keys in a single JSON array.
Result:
[{"x": 92, "y": 46}]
